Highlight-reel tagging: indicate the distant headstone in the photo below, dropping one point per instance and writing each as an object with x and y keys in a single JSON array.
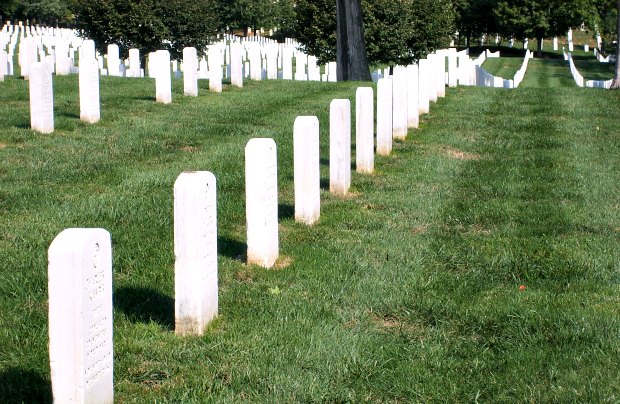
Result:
[
  {"x": 452, "y": 68},
  {"x": 163, "y": 81},
  {"x": 339, "y": 146},
  {"x": 190, "y": 72},
  {"x": 399, "y": 103},
  {"x": 80, "y": 316},
  {"x": 423, "y": 98},
  {"x": 364, "y": 130},
  {"x": 236, "y": 65},
  {"x": 41, "y": 98},
  {"x": 113, "y": 60},
  {"x": 89, "y": 90},
  {"x": 287, "y": 63},
  {"x": 195, "y": 251},
  {"x": 215, "y": 69},
  {"x": 261, "y": 199},
  {"x": 555, "y": 43},
  {"x": 384, "y": 116},
  {"x": 307, "y": 169},
  {"x": 135, "y": 67},
  {"x": 413, "y": 112}
]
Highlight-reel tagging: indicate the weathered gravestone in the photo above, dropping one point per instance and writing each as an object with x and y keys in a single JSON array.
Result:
[
  {"x": 41, "y": 98},
  {"x": 413, "y": 112},
  {"x": 114, "y": 62},
  {"x": 89, "y": 89},
  {"x": 261, "y": 201},
  {"x": 195, "y": 252},
  {"x": 307, "y": 169},
  {"x": 399, "y": 103},
  {"x": 190, "y": 72},
  {"x": 364, "y": 130},
  {"x": 80, "y": 316},
  {"x": 340, "y": 146},
  {"x": 384, "y": 116},
  {"x": 163, "y": 81},
  {"x": 424, "y": 76},
  {"x": 236, "y": 65}
]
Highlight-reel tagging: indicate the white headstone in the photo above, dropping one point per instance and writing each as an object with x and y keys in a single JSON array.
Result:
[
  {"x": 452, "y": 68},
  {"x": 307, "y": 169},
  {"x": 236, "y": 65},
  {"x": 80, "y": 316},
  {"x": 399, "y": 104},
  {"x": 134, "y": 63},
  {"x": 3, "y": 64},
  {"x": 364, "y": 130},
  {"x": 431, "y": 78},
  {"x": 215, "y": 69},
  {"x": 384, "y": 115},
  {"x": 89, "y": 90},
  {"x": 287, "y": 63},
  {"x": 423, "y": 98},
  {"x": 413, "y": 112},
  {"x": 163, "y": 80},
  {"x": 41, "y": 98},
  {"x": 190, "y": 72},
  {"x": 195, "y": 252},
  {"x": 339, "y": 146},
  {"x": 114, "y": 62},
  {"x": 261, "y": 199},
  {"x": 555, "y": 43}
]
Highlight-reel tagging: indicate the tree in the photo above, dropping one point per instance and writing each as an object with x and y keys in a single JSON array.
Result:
[
  {"x": 539, "y": 18},
  {"x": 147, "y": 25},
  {"x": 350, "y": 45},
  {"x": 615, "y": 84},
  {"x": 395, "y": 32},
  {"x": 47, "y": 12},
  {"x": 475, "y": 18},
  {"x": 241, "y": 14}
]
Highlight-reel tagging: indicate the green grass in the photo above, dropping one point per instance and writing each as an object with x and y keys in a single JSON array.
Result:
[
  {"x": 505, "y": 67},
  {"x": 408, "y": 290}
]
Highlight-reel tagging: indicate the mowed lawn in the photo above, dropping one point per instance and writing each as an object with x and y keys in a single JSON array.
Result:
[{"x": 480, "y": 261}]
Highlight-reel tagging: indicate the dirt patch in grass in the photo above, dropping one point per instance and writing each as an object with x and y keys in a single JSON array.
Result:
[
  {"x": 460, "y": 155},
  {"x": 419, "y": 229},
  {"x": 283, "y": 262},
  {"x": 189, "y": 149},
  {"x": 3, "y": 145},
  {"x": 393, "y": 324}
]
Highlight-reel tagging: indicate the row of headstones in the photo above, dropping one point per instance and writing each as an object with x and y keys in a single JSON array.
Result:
[
  {"x": 80, "y": 317},
  {"x": 580, "y": 80},
  {"x": 486, "y": 79}
]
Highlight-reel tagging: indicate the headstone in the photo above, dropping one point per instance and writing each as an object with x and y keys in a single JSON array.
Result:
[
  {"x": 307, "y": 169},
  {"x": 452, "y": 68},
  {"x": 431, "y": 78},
  {"x": 399, "y": 103},
  {"x": 287, "y": 63},
  {"x": 215, "y": 69},
  {"x": 384, "y": 116},
  {"x": 555, "y": 43},
  {"x": 80, "y": 316},
  {"x": 113, "y": 60},
  {"x": 261, "y": 199},
  {"x": 190, "y": 72},
  {"x": 364, "y": 130},
  {"x": 134, "y": 63},
  {"x": 339, "y": 146},
  {"x": 195, "y": 252},
  {"x": 236, "y": 65},
  {"x": 163, "y": 81},
  {"x": 89, "y": 89},
  {"x": 423, "y": 98},
  {"x": 3, "y": 64},
  {"x": 413, "y": 112},
  {"x": 440, "y": 75},
  {"x": 41, "y": 98},
  {"x": 586, "y": 48}
]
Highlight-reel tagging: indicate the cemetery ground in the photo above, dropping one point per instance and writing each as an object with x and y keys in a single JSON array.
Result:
[{"x": 479, "y": 262}]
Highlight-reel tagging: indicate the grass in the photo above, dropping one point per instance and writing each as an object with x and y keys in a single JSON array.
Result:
[{"x": 407, "y": 290}]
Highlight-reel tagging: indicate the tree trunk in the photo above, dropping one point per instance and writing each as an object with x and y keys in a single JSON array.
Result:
[
  {"x": 350, "y": 45},
  {"x": 616, "y": 82}
]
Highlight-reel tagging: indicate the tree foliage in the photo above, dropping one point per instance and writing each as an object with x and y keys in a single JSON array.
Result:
[
  {"x": 396, "y": 32},
  {"x": 47, "y": 12},
  {"x": 148, "y": 25}
]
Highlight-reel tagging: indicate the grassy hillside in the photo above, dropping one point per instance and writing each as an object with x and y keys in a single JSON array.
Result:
[{"x": 479, "y": 262}]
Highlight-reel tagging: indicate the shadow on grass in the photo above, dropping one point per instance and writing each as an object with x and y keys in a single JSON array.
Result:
[
  {"x": 24, "y": 386},
  {"x": 144, "y": 305},
  {"x": 231, "y": 248},
  {"x": 285, "y": 211}
]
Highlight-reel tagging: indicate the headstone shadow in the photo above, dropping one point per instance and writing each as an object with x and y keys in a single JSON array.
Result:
[
  {"x": 285, "y": 211},
  {"x": 24, "y": 386},
  {"x": 231, "y": 248},
  {"x": 145, "y": 305}
]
